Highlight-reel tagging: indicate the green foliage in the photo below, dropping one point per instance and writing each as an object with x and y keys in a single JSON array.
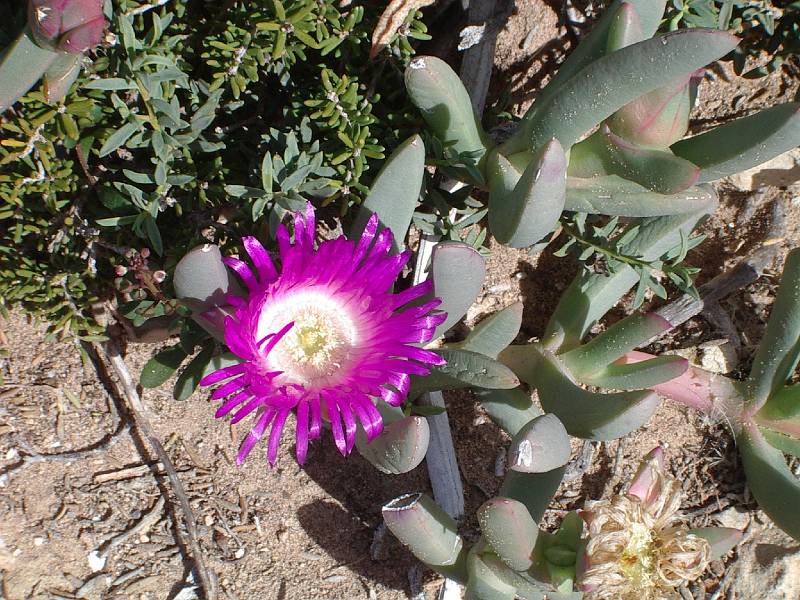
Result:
[
  {"x": 201, "y": 123},
  {"x": 771, "y": 27}
]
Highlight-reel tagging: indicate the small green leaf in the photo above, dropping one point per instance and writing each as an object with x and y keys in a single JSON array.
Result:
[
  {"x": 162, "y": 366},
  {"x": 190, "y": 378}
]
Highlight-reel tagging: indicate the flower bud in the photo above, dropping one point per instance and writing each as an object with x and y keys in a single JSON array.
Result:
[
  {"x": 72, "y": 26},
  {"x": 159, "y": 276},
  {"x": 121, "y": 270}
]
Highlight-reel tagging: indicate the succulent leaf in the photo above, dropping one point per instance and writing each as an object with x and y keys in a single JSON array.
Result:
[
  {"x": 510, "y": 530},
  {"x": 526, "y": 583},
  {"x": 429, "y": 532},
  {"x": 60, "y": 77},
  {"x": 605, "y": 153},
  {"x": 783, "y": 404},
  {"x": 637, "y": 376},
  {"x": 595, "y": 44},
  {"x": 773, "y": 484},
  {"x": 605, "y": 86},
  {"x": 482, "y": 582},
  {"x": 21, "y": 66},
  {"x": 534, "y": 490},
  {"x": 494, "y": 333},
  {"x": 584, "y": 414},
  {"x": 721, "y": 539},
  {"x": 779, "y": 350},
  {"x": 528, "y": 212},
  {"x": 509, "y": 409},
  {"x": 437, "y": 91},
  {"x": 464, "y": 369},
  {"x": 540, "y": 446},
  {"x": 400, "y": 448},
  {"x": 394, "y": 193},
  {"x": 457, "y": 271},
  {"x": 744, "y": 143},
  {"x": 625, "y": 28},
  {"x": 623, "y": 336},
  {"x": 613, "y": 195},
  {"x": 660, "y": 118},
  {"x": 785, "y": 443}
]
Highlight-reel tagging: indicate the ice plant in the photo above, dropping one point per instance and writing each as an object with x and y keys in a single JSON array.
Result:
[
  {"x": 637, "y": 546},
  {"x": 605, "y": 136},
  {"x": 324, "y": 336}
]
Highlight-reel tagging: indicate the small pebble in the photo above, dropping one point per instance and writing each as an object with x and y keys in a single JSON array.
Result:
[
  {"x": 239, "y": 553},
  {"x": 38, "y": 541}
]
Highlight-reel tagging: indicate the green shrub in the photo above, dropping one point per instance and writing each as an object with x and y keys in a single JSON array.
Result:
[{"x": 201, "y": 121}]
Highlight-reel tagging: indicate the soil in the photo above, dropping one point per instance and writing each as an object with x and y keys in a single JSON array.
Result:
[{"x": 313, "y": 533}]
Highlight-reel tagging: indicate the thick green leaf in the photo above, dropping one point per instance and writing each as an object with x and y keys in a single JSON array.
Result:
[
  {"x": 773, "y": 484},
  {"x": 437, "y": 91},
  {"x": 527, "y": 587},
  {"x": 509, "y": 409},
  {"x": 482, "y": 582},
  {"x": 523, "y": 215},
  {"x": 605, "y": 153},
  {"x": 660, "y": 118},
  {"x": 623, "y": 336},
  {"x": 781, "y": 441},
  {"x": 400, "y": 448},
  {"x": 394, "y": 193},
  {"x": 637, "y": 376},
  {"x": 21, "y": 66},
  {"x": 162, "y": 366},
  {"x": 494, "y": 333},
  {"x": 510, "y": 530},
  {"x": 584, "y": 414},
  {"x": 606, "y": 85},
  {"x": 590, "y": 296},
  {"x": 464, "y": 369},
  {"x": 783, "y": 404},
  {"x": 779, "y": 350},
  {"x": 60, "y": 76},
  {"x": 595, "y": 44},
  {"x": 613, "y": 195},
  {"x": 534, "y": 490},
  {"x": 540, "y": 446},
  {"x": 429, "y": 532},
  {"x": 457, "y": 270},
  {"x": 744, "y": 143}
]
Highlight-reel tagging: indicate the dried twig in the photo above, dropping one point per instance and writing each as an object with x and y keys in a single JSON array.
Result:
[
  {"x": 111, "y": 352},
  {"x": 149, "y": 519}
]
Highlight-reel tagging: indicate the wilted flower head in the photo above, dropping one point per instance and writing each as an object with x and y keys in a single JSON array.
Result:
[
  {"x": 636, "y": 547},
  {"x": 73, "y": 26},
  {"x": 325, "y": 336}
]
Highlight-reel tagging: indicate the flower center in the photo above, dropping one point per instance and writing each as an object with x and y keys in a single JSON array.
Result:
[
  {"x": 638, "y": 562},
  {"x": 318, "y": 344}
]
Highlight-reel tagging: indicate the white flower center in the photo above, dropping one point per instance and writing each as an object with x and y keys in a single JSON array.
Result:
[
  {"x": 638, "y": 562},
  {"x": 318, "y": 344}
]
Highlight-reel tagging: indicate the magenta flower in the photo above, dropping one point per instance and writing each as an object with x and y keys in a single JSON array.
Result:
[{"x": 325, "y": 336}]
